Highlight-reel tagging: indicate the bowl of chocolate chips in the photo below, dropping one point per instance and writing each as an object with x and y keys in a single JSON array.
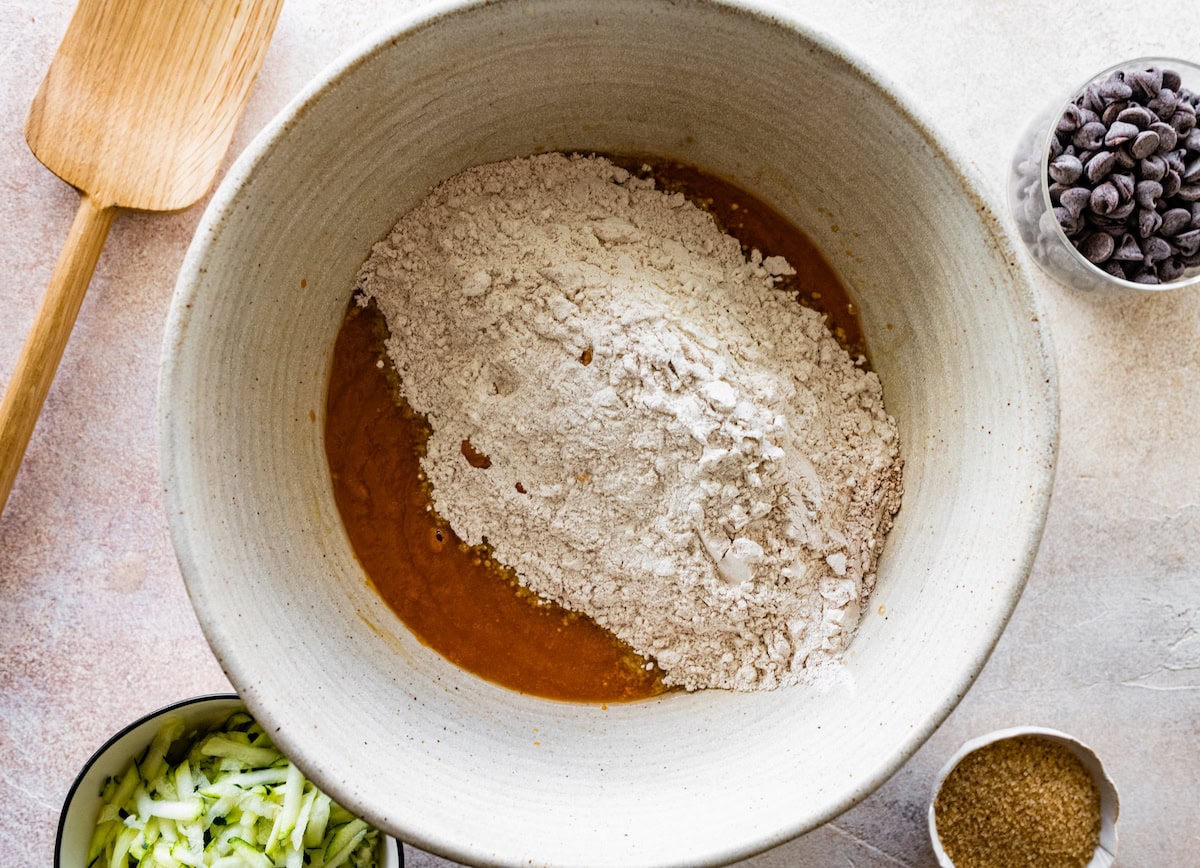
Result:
[{"x": 1105, "y": 187}]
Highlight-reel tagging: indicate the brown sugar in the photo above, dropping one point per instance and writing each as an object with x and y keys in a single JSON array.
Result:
[{"x": 1023, "y": 801}]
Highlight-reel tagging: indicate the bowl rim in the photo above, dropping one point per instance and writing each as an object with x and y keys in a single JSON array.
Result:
[{"x": 1045, "y": 415}]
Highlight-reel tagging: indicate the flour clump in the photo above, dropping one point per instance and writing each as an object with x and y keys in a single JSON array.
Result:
[{"x": 637, "y": 420}]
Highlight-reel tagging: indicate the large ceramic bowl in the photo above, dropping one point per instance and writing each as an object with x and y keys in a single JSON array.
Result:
[{"x": 482, "y": 774}]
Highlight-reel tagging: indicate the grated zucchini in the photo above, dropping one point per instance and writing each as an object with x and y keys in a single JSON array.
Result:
[{"x": 232, "y": 800}]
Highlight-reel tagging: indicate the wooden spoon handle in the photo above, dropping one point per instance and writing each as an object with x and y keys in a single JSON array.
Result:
[{"x": 48, "y": 336}]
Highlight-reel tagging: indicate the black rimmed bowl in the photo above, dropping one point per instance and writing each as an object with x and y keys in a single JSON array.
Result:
[{"x": 82, "y": 804}]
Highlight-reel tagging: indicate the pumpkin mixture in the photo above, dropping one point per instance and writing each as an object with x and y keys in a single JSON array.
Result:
[{"x": 625, "y": 458}]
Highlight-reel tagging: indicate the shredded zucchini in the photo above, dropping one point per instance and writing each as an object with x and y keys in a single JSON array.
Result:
[{"x": 226, "y": 798}]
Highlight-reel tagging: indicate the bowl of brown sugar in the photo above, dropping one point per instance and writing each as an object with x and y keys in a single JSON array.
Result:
[
  {"x": 603, "y": 433},
  {"x": 1024, "y": 796}
]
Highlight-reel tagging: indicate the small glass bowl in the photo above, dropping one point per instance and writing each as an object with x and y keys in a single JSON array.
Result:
[
  {"x": 1110, "y": 805},
  {"x": 1029, "y": 194}
]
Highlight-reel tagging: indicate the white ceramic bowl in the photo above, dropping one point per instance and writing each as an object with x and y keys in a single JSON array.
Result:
[
  {"x": 78, "y": 818},
  {"x": 1110, "y": 803},
  {"x": 482, "y": 774}
]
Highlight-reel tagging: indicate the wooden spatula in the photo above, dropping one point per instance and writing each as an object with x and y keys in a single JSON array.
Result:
[{"x": 136, "y": 111}]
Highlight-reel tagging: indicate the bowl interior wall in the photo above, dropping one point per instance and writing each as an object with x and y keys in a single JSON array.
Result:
[{"x": 460, "y": 766}]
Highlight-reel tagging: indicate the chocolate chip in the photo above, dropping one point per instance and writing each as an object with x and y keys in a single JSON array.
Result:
[
  {"x": 1127, "y": 250},
  {"x": 1119, "y": 215},
  {"x": 1147, "y": 193},
  {"x": 1100, "y": 166},
  {"x": 1065, "y": 168},
  {"x": 1153, "y": 168},
  {"x": 1104, "y": 199},
  {"x": 1125, "y": 159},
  {"x": 1147, "y": 82},
  {"x": 1175, "y": 221},
  {"x": 1136, "y": 115},
  {"x": 1124, "y": 184},
  {"x": 1091, "y": 135},
  {"x": 1098, "y": 247},
  {"x": 1119, "y": 133},
  {"x": 1171, "y": 183},
  {"x": 1113, "y": 111},
  {"x": 1155, "y": 249},
  {"x": 1145, "y": 144},
  {"x": 1164, "y": 103},
  {"x": 1149, "y": 222},
  {"x": 1191, "y": 171},
  {"x": 1184, "y": 119},
  {"x": 1070, "y": 224},
  {"x": 1070, "y": 121},
  {"x": 1168, "y": 136},
  {"x": 1075, "y": 200},
  {"x": 1113, "y": 88},
  {"x": 1188, "y": 243},
  {"x": 1170, "y": 269}
]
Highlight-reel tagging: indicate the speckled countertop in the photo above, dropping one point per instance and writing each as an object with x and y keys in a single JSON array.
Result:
[{"x": 96, "y": 628}]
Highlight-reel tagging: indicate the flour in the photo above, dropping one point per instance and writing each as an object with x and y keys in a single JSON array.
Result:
[{"x": 677, "y": 448}]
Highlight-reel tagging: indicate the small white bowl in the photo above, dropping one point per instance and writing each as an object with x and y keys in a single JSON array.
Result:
[
  {"x": 78, "y": 818},
  {"x": 1106, "y": 850}
]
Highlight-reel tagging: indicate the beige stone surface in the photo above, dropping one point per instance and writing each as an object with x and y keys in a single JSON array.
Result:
[{"x": 96, "y": 628}]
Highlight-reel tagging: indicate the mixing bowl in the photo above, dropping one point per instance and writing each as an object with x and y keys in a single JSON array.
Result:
[{"x": 482, "y": 774}]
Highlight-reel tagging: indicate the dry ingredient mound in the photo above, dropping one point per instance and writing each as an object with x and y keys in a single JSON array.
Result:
[{"x": 677, "y": 448}]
